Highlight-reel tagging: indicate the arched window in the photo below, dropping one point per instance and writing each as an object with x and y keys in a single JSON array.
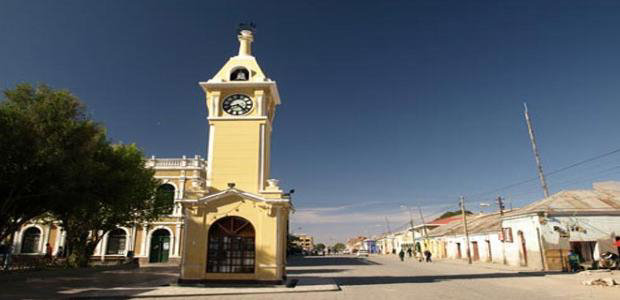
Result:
[
  {"x": 165, "y": 197},
  {"x": 231, "y": 246},
  {"x": 30, "y": 240},
  {"x": 239, "y": 74},
  {"x": 117, "y": 239}
]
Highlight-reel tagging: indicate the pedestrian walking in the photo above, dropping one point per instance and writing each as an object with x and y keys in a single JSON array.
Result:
[
  {"x": 574, "y": 261},
  {"x": 409, "y": 252},
  {"x": 401, "y": 254},
  {"x": 4, "y": 251},
  {"x": 428, "y": 254},
  {"x": 48, "y": 251}
]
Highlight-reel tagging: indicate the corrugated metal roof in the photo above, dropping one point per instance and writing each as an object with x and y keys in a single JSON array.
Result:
[
  {"x": 605, "y": 197},
  {"x": 481, "y": 223}
]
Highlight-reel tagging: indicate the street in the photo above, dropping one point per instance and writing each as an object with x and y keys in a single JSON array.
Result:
[
  {"x": 376, "y": 277},
  {"x": 385, "y": 277}
]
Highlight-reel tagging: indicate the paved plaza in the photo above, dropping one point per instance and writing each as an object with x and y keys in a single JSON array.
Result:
[{"x": 377, "y": 277}]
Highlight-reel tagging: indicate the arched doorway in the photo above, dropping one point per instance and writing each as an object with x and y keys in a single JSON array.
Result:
[
  {"x": 30, "y": 240},
  {"x": 160, "y": 246},
  {"x": 523, "y": 248},
  {"x": 231, "y": 246}
]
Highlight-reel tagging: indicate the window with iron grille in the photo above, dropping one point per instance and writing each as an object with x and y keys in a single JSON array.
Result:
[
  {"x": 231, "y": 246},
  {"x": 30, "y": 240},
  {"x": 116, "y": 242}
]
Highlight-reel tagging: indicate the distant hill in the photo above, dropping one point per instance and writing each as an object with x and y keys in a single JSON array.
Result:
[{"x": 453, "y": 213}]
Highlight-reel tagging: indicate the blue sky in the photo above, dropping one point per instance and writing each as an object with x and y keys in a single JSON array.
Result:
[{"x": 385, "y": 104}]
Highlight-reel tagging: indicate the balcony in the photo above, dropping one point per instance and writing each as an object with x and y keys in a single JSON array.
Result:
[{"x": 195, "y": 162}]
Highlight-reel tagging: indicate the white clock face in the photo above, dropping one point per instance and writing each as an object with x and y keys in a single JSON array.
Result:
[{"x": 237, "y": 104}]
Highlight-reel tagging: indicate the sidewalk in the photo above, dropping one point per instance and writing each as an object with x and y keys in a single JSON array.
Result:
[
  {"x": 304, "y": 285},
  {"x": 488, "y": 265}
]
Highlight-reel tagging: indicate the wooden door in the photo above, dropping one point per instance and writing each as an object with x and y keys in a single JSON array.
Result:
[
  {"x": 160, "y": 246},
  {"x": 476, "y": 253}
]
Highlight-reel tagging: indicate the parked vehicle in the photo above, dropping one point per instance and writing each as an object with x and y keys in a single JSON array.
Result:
[{"x": 362, "y": 253}]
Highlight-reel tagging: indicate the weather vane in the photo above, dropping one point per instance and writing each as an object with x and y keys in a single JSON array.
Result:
[{"x": 251, "y": 26}]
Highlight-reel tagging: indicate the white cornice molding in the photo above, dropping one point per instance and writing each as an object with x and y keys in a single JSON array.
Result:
[
  {"x": 236, "y": 192},
  {"x": 239, "y": 118},
  {"x": 218, "y": 85}
]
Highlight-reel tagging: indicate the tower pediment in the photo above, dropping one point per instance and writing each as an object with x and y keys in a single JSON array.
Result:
[
  {"x": 243, "y": 67},
  {"x": 235, "y": 192}
]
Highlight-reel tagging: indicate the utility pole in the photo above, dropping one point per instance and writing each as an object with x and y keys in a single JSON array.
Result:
[
  {"x": 541, "y": 174},
  {"x": 410, "y": 215},
  {"x": 500, "y": 204},
  {"x": 465, "y": 227},
  {"x": 387, "y": 223},
  {"x": 423, "y": 228},
  {"x": 423, "y": 223},
  {"x": 411, "y": 225},
  {"x": 391, "y": 240}
]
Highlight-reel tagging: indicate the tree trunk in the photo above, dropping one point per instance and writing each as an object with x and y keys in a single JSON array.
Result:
[{"x": 80, "y": 249}]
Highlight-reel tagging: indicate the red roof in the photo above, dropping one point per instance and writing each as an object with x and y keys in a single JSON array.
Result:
[{"x": 445, "y": 221}]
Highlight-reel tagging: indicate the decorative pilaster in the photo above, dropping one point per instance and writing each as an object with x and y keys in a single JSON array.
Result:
[
  {"x": 143, "y": 250},
  {"x": 177, "y": 239}
]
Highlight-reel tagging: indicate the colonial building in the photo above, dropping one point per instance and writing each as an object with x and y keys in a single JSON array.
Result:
[
  {"x": 229, "y": 220},
  {"x": 154, "y": 242},
  {"x": 305, "y": 241}
]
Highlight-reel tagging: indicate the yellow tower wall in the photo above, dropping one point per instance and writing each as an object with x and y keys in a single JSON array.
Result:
[{"x": 236, "y": 154}]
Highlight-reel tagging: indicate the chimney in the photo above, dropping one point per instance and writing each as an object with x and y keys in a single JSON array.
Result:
[{"x": 245, "y": 42}]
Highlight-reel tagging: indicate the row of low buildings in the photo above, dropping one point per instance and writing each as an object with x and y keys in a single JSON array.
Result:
[{"x": 538, "y": 236}]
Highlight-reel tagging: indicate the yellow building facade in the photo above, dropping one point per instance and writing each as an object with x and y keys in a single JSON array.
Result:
[{"x": 237, "y": 230}]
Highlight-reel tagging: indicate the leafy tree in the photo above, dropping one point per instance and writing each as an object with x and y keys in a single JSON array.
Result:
[
  {"x": 339, "y": 247},
  {"x": 56, "y": 162},
  {"x": 44, "y": 134},
  {"x": 453, "y": 213},
  {"x": 320, "y": 246},
  {"x": 114, "y": 189}
]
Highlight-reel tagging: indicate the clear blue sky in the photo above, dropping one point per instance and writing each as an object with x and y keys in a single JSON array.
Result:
[{"x": 385, "y": 103}]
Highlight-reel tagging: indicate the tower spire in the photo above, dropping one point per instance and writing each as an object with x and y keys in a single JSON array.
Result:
[{"x": 246, "y": 37}]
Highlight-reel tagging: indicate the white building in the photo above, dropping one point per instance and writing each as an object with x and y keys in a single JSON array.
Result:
[{"x": 540, "y": 235}]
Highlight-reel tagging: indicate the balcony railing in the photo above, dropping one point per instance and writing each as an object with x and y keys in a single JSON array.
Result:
[{"x": 174, "y": 163}]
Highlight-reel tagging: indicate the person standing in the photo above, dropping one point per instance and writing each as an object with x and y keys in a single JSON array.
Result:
[
  {"x": 401, "y": 254},
  {"x": 48, "y": 251},
  {"x": 428, "y": 254},
  {"x": 574, "y": 261},
  {"x": 409, "y": 252}
]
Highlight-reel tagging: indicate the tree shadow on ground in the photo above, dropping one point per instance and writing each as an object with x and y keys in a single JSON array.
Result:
[
  {"x": 311, "y": 271},
  {"x": 74, "y": 283},
  {"x": 372, "y": 280},
  {"x": 305, "y": 261}
]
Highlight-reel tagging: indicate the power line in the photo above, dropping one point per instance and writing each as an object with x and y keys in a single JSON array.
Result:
[{"x": 573, "y": 165}]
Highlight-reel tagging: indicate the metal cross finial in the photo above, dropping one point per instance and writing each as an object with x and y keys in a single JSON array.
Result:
[{"x": 251, "y": 26}]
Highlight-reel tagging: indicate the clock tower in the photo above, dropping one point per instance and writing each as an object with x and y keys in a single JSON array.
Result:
[{"x": 237, "y": 230}]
